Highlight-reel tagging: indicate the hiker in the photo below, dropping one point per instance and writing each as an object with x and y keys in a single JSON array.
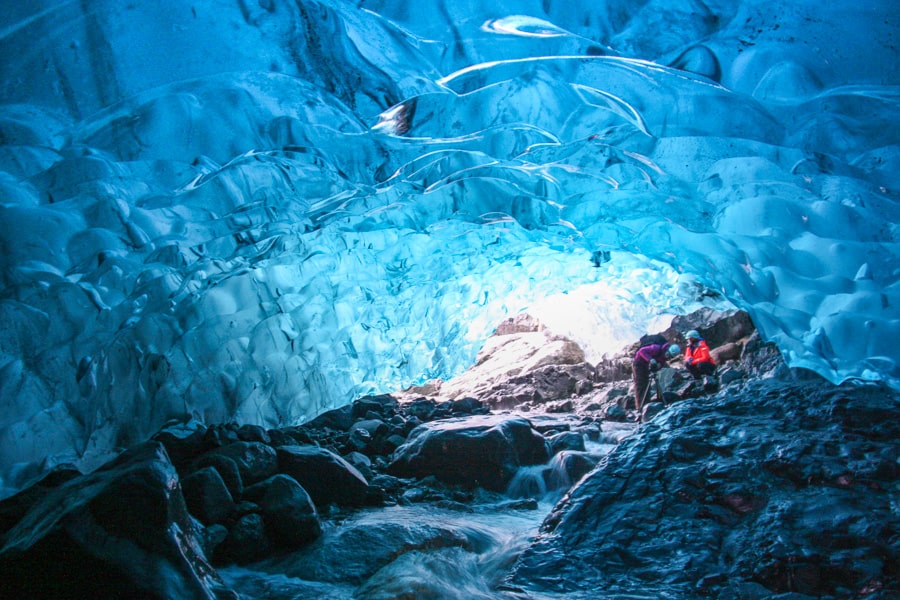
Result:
[
  {"x": 697, "y": 359},
  {"x": 650, "y": 357}
]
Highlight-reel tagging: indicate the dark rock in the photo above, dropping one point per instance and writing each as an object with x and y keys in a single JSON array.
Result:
[
  {"x": 361, "y": 547},
  {"x": 122, "y": 531},
  {"x": 207, "y": 496},
  {"x": 339, "y": 418},
  {"x": 220, "y": 435},
  {"x": 716, "y": 327},
  {"x": 590, "y": 431},
  {"x": 279, "y": 437},
  {"x": 182, "y": 440},
  {"x": 391, "y": 443},
  {"x": 253, "y": 433},
  {"x": 375, "y": 428},
  {"x": 616, "y": 413},
  {"x": 362, "y": 463},
  {"x": 14, "y": 508},
  {"x": 473, "y": 451},
  {"x": 650, "y": 410},
  {"x": 212, "y": 536},
  {"x": 247, "y": 541},
  {"x": 300, "y": 435},
  {"x": 566, "y": 440},
  {"x": 567, "y": 467},
  {"x": 383, "y": 406},
  {"x": 729, "y": 375},
  {"x": 326, "y": 476},
  {"x": 255, "y": 461},
  {"x": 772, "y": 488},
  {"x": 584, "y": 386},
  {"x": 287, "y": 509},
  {"x": 227, "y": 469},
  {"x": 361, "y": 440},
  {"x": 467, "y": 406},
  {"x": 421, "y": 409}
]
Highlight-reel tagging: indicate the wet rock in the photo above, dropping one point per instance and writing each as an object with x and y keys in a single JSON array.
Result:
[
  {"x": 616, "y": 413},
  {"x": 467, "y": 406},
  {"x": 566, "y": 440},
  {"x": 339, "y": 418},
  {"x": 328, "y": 478},
  {"x": 364, "y": 545},
  {"x": 253, "y": 433},
  {"x": 422, "y": 409},
  {"x": 14, "y": 508},
  {"x": 182, "y": 440},
  {"x": 227, "y": 470},
  {"x": 255, "y": 461},
  {"x": 207, "y": 496},
  {"x": 783, "y": 486},
  {"x": 482, "y": 450},
  {"x": 288, "y": 511},
  {"x": 381, "y": 407},
  {"x": 247, "y": 541},
  {"x": 567, "y": 467},
  {"x": 375, "y": 430},
  {"x": 122, "y": 531}
]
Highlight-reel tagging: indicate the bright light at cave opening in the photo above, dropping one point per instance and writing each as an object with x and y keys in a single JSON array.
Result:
[{"x": 603, "y": 309}]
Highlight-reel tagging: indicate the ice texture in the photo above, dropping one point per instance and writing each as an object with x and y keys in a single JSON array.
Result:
[{"x": 260, "y": 210}]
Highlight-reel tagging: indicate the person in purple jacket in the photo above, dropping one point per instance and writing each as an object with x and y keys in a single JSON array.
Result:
[{"x": 651, "y": 357}]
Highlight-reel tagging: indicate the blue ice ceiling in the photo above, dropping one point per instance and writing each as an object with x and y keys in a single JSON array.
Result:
[{"x": 260, "y": 209}]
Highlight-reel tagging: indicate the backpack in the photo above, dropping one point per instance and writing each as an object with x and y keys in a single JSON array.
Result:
[{"x": 653, "y": 338}]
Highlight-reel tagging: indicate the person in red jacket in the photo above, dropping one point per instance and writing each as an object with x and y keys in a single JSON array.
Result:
[{"x": 697, "y": 359}]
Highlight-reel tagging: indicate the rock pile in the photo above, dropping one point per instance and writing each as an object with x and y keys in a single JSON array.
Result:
[
  {"x": 159, "y": 518},
  {"x": 774, "y": 482}
]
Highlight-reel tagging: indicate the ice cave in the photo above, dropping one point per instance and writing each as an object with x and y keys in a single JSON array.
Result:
[{"x": 263, "y": 209}]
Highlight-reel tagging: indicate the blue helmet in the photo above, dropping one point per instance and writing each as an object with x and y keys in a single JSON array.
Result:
[
  {"x": 693, "y": 334},
  {"x": 674, "y": 350}
]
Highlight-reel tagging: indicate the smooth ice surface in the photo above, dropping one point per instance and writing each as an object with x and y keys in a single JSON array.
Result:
[{"x": 261, "y": 209}]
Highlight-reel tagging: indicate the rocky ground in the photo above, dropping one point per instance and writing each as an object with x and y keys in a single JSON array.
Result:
[{"x": 768, "y": 482}]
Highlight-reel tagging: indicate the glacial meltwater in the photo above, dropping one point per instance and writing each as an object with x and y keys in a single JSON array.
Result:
[{"x": 441, "y": 550}]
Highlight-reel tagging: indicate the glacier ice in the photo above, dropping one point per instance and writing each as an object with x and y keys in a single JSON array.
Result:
[{"x": 261, "y": 210}]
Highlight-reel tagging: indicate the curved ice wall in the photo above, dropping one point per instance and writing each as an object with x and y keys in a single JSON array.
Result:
[{"x": 260, "y": 209}]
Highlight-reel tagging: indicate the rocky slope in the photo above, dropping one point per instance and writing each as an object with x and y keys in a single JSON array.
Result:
[{"x": 771, "y": 482}]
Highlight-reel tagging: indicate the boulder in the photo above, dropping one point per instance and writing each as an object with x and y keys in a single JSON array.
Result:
[
  {"x": 183, "y": 440},
  {"x": 247, "y": 541},
  {"x": 566, "y": 440},
  {"x": 287, "y": 510},
  {"x": 383, "y": 407},
  {"x": 328, "y": 478},
  {"x": 340, "y": 418},
  {"x": 122, "y": 531},
  {"x": 255, "y": 461},
  {"x": 523, "y": 367},
  {"x": 227, "y": 470},
  {"x": 481, "y": 450},
  {"x": 207, "y": 496}
]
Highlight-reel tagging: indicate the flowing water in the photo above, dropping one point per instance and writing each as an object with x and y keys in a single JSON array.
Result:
[{"x": 440, "y": 551}]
